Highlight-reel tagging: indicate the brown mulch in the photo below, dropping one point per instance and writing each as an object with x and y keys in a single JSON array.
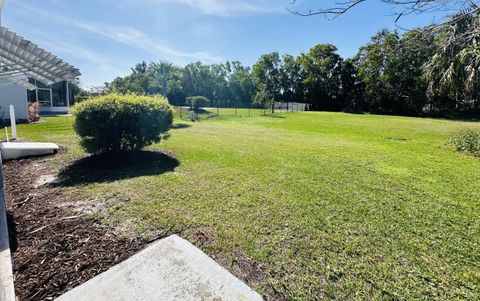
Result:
[{"x": 54, "y": 248}]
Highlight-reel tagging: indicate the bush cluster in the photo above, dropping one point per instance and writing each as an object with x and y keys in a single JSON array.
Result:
[
  {"x": 116, "y": 123},
  {"x": 467, "y": 140},
  {"x": 197, "y": 102}
]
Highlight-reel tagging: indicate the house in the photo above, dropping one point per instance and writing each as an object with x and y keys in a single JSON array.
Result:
[{"x": 30, "y": 74}]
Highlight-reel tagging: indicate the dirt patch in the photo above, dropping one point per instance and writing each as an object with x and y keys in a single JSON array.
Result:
[{"x": 54, "y": 247}]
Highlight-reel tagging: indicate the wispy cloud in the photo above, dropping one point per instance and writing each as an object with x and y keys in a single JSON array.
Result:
[
  {"x": 227, "y": 8},
  {"x": 125, "y": 35},
  {"x": 93, "y": 61},
  {"x": 136, "y": 38},
  {"x": 230, "y": 7}
]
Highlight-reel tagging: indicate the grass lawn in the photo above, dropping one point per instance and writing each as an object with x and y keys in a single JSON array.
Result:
[{"x": 318, "y": 205}]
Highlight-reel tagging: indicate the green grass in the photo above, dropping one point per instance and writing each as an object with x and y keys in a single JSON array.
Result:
[{"x": 331, "y": 205}]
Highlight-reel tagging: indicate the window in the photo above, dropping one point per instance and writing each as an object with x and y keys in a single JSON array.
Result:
[
  {"x": 50, "y": 96},
  {"x": 32, "y": 95},
  {"x": 44, "y": 97},
  {"x": 59, "y": 95}
]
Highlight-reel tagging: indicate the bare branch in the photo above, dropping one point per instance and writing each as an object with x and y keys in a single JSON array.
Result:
[{"x": 401, "y": 7}]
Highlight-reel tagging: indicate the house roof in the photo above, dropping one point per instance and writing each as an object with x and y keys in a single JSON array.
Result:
[{"x": 20, "y": 59}]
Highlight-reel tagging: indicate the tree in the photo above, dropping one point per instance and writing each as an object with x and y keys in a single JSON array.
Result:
[
  {"x": 241, "y": 83},
  {"x": 160, "y": 74},
  {"x": 266, "y": 73},
  {"x": 322, "y": 69},
  {"x": 220, "y": 82},
  {"x": 352, "y": 89},
  {"x": 291, "y": 79},
  {"x": 416, "y": 48},
  {"x": 263, "y": 98},
  {"x": 138, "y": 82},
  {"x": 197, "y": 80},
  {"x": 176, "y": 94},
  {"x": 376, "y": 63},
  {"x": 390, "y": 67},
  {"x": 454, "y": 70}
]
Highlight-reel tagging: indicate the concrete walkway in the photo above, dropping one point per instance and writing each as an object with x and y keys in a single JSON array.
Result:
[{"x": 170, "y": 269}]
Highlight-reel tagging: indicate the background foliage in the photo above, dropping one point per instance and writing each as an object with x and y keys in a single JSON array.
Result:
[{"x": 425, "y": 71}]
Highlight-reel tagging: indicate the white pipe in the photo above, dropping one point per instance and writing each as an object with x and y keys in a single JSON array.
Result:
[
  {"x": 6, "y": 132},
  {"x": 13, "y": 122}
]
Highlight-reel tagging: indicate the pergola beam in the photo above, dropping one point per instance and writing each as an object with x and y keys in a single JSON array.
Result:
[{"x": 22, "y": 57}]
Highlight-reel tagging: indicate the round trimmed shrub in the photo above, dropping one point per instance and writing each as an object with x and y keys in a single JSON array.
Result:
[
  {"x": 117, "y": 123},
  {"x": 197, "y": 102}
]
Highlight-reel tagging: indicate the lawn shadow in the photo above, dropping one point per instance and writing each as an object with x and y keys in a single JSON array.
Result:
[
  {"x": 275, "y": 116},
  {"x": 179, "y": 126},
  {"x": 109, "y": 168}
]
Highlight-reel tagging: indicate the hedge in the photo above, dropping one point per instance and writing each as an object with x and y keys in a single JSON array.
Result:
[{"x": 116, "y": 123}]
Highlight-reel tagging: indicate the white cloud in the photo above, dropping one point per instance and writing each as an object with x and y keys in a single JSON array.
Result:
[{"x": 125, "y": 35}]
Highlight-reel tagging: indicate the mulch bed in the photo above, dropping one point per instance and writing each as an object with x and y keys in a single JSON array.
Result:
[{"x": 54, "y": 247}]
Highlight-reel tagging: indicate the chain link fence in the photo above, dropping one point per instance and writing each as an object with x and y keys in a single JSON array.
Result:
[{"x": 186, "y": 113}]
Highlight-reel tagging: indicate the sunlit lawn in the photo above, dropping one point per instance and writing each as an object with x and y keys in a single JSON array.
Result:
[{"x": 330, "y": 205}]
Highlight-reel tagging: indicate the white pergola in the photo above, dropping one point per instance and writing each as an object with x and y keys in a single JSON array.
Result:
[{"x": 21, "y": 59}]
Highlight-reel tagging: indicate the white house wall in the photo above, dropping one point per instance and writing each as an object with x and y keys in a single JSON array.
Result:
[{"x": 15, "y": 94}]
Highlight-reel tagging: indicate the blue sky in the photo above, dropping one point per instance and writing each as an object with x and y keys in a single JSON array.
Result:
[{"x": 104, "y": 38}]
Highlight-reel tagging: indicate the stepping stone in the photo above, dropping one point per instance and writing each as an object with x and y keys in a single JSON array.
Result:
[{"x": 169, "y": 269}]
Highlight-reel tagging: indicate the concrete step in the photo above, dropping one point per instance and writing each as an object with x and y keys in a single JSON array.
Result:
[{"x": 169, "y": 269}]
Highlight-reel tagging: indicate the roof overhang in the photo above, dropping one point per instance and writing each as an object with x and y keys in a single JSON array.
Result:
[{"x": 21, "y": 59}]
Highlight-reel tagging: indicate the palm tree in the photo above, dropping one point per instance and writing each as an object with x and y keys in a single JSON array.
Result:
[
  {"x": 454, "y": 71},
  {"x": 162, "y": 72}
]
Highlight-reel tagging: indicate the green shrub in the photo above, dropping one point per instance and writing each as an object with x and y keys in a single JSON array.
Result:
[
  {"x": 467, "y": 140},
  {"x": 115, "y": 122},
  {"x": 198, "y": 102}
]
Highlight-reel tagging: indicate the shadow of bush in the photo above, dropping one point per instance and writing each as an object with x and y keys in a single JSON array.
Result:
[
  {"x": 179, "y": 126},
  {"x": 113, "y": 167}
]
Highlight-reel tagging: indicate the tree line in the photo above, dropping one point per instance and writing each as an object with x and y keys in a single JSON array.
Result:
[{"x": 433, "y": 70}]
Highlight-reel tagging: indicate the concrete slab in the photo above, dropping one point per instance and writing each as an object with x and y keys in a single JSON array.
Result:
[
  {"x": 16, "y": 150},
  {"x": 7, "y": 291},
  {"x": 170, "y": 269}
]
